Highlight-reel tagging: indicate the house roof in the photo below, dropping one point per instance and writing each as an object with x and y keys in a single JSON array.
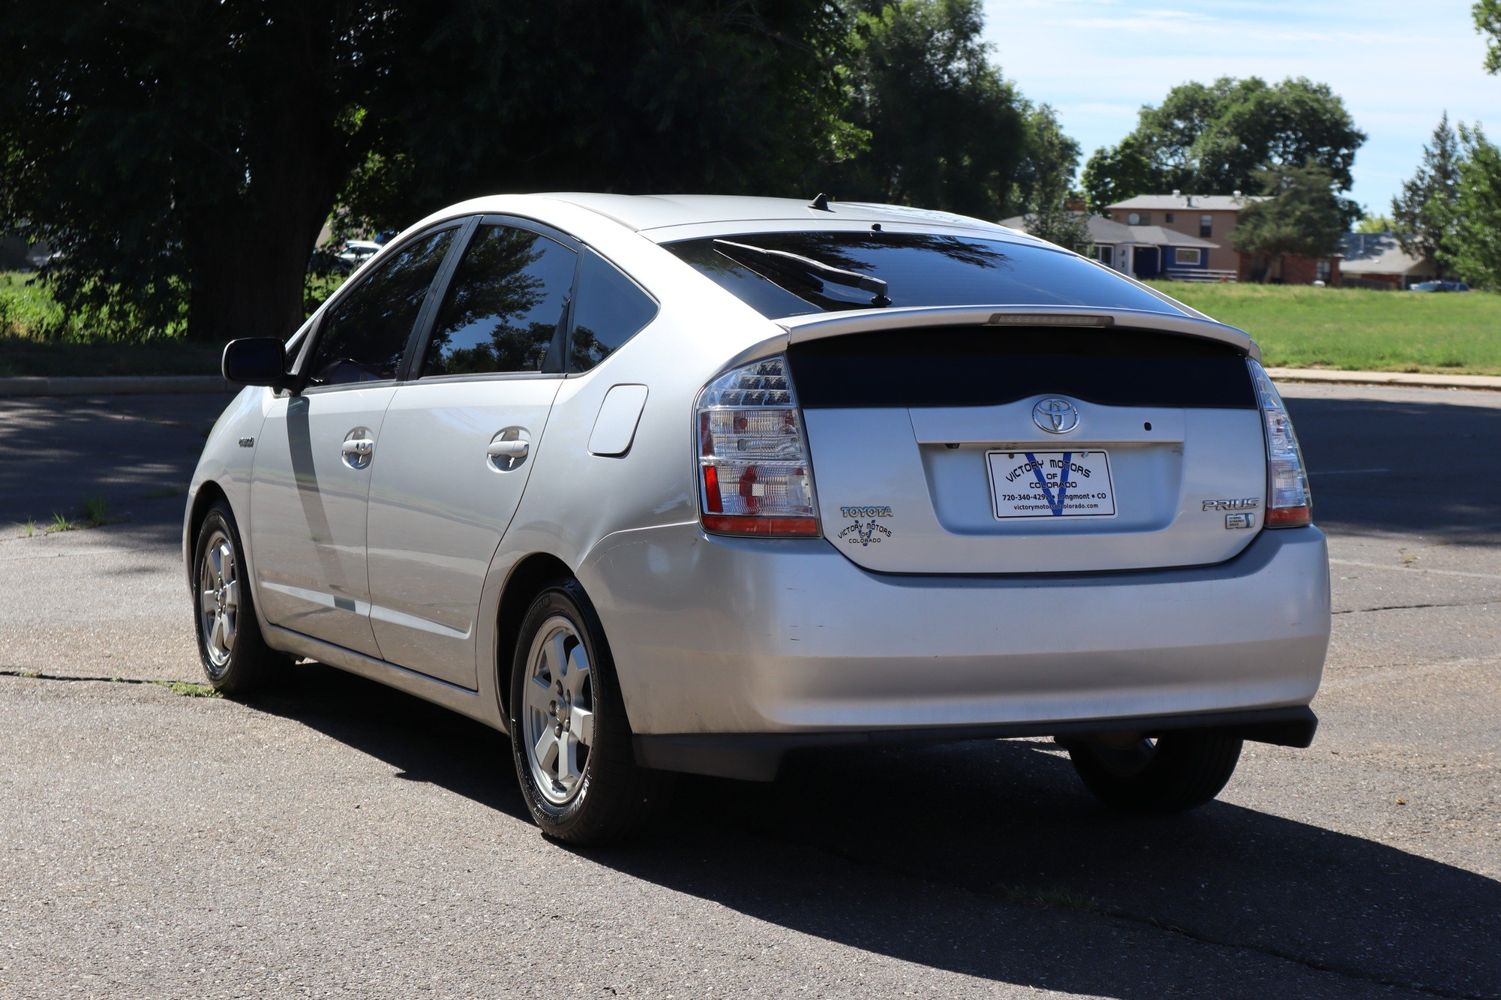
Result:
[
  {"x": 1201, "y": 202},
  {"x": 1380, "y": 253},
  {"x": 1168, "y": 237},
  {"x": 1103, "y": 230}
]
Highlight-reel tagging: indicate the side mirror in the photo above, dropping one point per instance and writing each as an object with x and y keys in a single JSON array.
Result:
[{"x": 256, "y": 361}]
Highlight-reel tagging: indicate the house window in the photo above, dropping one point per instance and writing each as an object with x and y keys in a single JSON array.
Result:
[
  {"x": 1321, "y": 271},
  {"x": 1206, "y": 226},
  {"x": 1105, "y": 255},
  {"x": 1168, "y": 217},
  {"x": 1138, "y": 219},
  {"x": 1188, "y": 255}
]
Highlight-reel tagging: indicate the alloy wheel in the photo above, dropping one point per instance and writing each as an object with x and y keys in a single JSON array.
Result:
[{"x": 558, "y": 710}]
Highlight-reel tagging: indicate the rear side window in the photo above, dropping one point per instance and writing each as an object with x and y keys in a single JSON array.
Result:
[
  {"x": 920, "y": 269},
  {"x": 365, "y": 333},
  {"x": 505, "y": 306},
  {"x": 610, "y": 310}
]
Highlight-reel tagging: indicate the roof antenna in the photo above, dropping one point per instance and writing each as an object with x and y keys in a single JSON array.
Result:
[{"x": 820, "y": 203}]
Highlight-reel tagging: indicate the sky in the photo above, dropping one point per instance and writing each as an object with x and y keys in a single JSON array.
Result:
[{"x": 1398, "y": 65}]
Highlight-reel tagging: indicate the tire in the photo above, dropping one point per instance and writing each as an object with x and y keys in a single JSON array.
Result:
[
  {"x": 570, "y": 739},
  {"x": 1174, "y": 773},
  {"x": 233, "y": 652}
]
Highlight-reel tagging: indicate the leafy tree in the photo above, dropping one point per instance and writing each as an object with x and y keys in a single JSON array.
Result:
[
  {"x": 190, "y": 154},
  {"x": 1216, "y": 138},
  {"x": 1043, "y": 190},
  {"x": 1487, "y": 14},
  {"x": 1045, "y": 175},
  {"x": 1060, "y": 225},
  {"x": 1115, "y": 173},
  {"x": 1302, "y": 218},
  {"x": 635, "y": 97},
  {"x": 1474, "y": 250},
  {"x": 1374, "y": 224},
  {"x": 946, "y": 131},
  {"x": 1423, "y": 214},
  {"x": 173, "y": 152}
]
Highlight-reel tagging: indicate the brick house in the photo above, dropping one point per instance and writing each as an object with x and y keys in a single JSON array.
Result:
[{"x": 1213, "y": 217}]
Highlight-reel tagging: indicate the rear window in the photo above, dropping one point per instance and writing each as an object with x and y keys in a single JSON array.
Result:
[{"x": 919, "y": 270}]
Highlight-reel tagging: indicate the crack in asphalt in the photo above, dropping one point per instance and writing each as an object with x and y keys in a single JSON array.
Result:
[
  {"x": 1412, "y": 607},
  {"x": 186, "y": 688}
]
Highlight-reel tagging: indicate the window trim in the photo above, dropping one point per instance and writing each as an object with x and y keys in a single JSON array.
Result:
[
  {"x": 310, "y": 343},
  {"x": 572, "y": 317},
  {"x": 556, "y": 353},
  {"x": 1198, "y": 256}
]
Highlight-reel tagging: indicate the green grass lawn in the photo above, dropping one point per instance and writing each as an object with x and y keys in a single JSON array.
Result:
[
  {"x": 1299, "y": 326},
  {"x": 37, "y": 338}
]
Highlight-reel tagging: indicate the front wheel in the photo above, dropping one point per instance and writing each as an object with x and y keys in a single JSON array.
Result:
[
  {"x": 570, "y": 740},
  {"x": 235, "y": 656},
  {"x": 1173, "y": 773}
]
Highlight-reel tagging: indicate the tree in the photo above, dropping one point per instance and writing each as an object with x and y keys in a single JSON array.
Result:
[
  {"x": 1115, "y": 173},
  {"x": 1487, "y": 14},
  {"x": 946, "y": 131},
  {"x": 175, "y": 153},
  {"x": 1043, "y": 190},
  {"x": 1302, "y": 218},
  {"x": 1423, "y": 214},
  {"x": 1045, "y": 175},
  {"x": 635, "y": 97},
  {"x": 1474, "y": 249},
  {"x": 1216, "y": 139},
  {"x": 1374, "y": 224},
  {"x": 190, "y": 154}
]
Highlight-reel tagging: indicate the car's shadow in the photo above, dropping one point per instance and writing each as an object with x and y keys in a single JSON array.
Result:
[{"x": 987, "y": 859}]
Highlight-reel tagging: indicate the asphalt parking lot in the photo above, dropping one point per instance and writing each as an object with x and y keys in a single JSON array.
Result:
[{"x": 343, "y": 840}]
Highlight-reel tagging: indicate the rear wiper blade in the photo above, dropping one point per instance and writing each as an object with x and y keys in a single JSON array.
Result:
[{"x": 805, "y": 271}]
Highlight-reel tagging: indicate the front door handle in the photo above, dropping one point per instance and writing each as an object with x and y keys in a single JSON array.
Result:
[
  {"x": 358, "y": 448},
  {"x": 508, "y": 449}
]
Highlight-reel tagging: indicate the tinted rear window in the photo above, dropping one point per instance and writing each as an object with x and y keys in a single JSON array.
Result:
[
  {"x": 919, "y": 270},
  {"x": 989, "y": 366}
]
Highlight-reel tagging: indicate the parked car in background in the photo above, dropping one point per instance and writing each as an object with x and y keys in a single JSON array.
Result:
[
  {"x": 1439, "y": 286},
  {"x": 356, "y": 252},
  {"x": 662, "y": 484}
]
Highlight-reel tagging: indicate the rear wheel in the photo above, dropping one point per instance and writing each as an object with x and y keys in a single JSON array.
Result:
[
  {"x": 1171, "y": 773},
  {"x": 571, "y": 742},
  {"x": 230, "y": 645}
]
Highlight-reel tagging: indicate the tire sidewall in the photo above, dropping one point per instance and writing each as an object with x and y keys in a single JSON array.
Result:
[
  {"x": 219, "y": 519},
  {"x": 561, "y": 600}
]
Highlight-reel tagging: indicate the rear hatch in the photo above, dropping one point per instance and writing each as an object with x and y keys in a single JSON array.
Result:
[{"x": 993, "y": 441}]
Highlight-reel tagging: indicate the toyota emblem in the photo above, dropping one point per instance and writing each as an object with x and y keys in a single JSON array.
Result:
[{"x": 1056, "y": 416}]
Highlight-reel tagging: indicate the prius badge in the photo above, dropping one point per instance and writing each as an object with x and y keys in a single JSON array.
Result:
[{"x": 1056, "y": 416}]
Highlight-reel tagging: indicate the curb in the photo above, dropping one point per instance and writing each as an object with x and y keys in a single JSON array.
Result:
[
  {"x": 1408, "y": 380},
  {"x": 111, "y": 385}
]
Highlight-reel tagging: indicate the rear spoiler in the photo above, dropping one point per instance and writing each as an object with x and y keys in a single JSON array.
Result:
[{"x": 821, "y": 325}]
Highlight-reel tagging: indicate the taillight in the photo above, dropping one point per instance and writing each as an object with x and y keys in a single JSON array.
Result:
[
  {"x": 1288, "y": 502},
  {"x": 754, "y": 474}
]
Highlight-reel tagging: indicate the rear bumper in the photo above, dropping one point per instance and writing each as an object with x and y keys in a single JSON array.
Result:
[
  {"x": 757, "y": 756},
  {"x": 787, "y": 640}
]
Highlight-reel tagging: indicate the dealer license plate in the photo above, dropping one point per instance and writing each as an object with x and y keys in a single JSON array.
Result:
[{"x": 1050, "y": 484}]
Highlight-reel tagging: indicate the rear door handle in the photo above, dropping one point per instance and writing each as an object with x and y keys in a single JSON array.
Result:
[
  {"x": 507, "y": 449},
  {"x": 359, "y": 446}
]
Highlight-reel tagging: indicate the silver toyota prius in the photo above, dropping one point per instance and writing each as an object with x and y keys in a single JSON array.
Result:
[{"x": 683, "y": 484}]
